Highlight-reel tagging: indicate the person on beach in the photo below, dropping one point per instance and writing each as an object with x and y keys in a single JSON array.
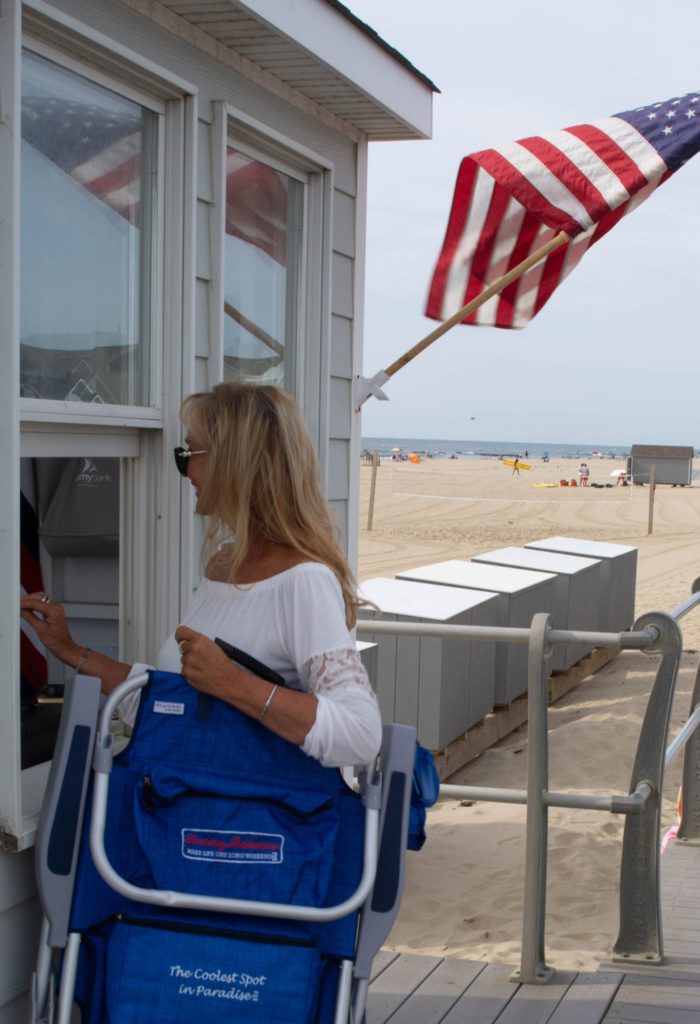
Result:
[
  {"x": 516, "y": 467},
  {"x": 276, "y": 583},
  {"x": 583, "y": 474}
]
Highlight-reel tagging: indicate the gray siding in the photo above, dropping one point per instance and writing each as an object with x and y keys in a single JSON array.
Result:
[
  {"x": 20, "y": 917},
  {"x": 668, "y": 471}
]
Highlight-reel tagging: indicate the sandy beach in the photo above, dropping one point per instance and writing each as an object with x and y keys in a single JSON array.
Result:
[{"x": 463, "y": 893}]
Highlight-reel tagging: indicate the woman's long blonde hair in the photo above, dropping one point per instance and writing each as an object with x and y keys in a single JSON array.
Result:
[{"x": 262, "y": 479}]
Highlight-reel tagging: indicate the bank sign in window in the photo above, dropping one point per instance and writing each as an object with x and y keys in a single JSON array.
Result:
[
  {"x": 88, "y": 163},
  {"x": 264, "y": 256}
]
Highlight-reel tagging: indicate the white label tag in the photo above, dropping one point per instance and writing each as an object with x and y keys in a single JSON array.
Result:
[{"x": 168, "y": 707}]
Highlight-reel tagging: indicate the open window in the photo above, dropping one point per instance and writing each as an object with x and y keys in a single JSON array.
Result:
[{"x": 70, "y": 539}]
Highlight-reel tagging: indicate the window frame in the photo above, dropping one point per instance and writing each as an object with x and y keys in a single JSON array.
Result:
[
  {"x": 154, "y": 558},
  {"x": 254, "y": 151},
  {"x": 311, "y": 383},
  {"x": 52, "y": 410}
]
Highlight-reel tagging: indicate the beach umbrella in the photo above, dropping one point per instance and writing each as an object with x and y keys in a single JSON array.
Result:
[
  {"x": 524, "y": 214},
  {"x": 396, "y": 449},
  {"x": 619, "y": 472}
]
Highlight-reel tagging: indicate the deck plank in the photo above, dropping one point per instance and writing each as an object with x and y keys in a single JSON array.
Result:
[
  {"x": 535, "y": 1004},
  {"x": 381, "y": 961},
  {"x": 588, "y": 999},
  {"x": 397, "y": 983},
  {"x": 655, "y": 1000},
  {"x": 432, "y": 1001},
  {"x": 485, "y": 998}
]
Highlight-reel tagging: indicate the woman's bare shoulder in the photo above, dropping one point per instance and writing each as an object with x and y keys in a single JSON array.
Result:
[{"x": 272, "y": 561}]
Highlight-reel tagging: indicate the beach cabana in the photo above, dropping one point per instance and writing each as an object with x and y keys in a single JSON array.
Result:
[
  {"x": 577, "y": 592},
  {"x": 442, "y": 687},
  {"x": 618, "y": 574},
  {"x": 673, "y": 462},
  {"x": 520, "y": 594}
]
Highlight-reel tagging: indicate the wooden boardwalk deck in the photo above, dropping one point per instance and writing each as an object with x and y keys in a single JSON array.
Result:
[{"x": 411, "y": 989}]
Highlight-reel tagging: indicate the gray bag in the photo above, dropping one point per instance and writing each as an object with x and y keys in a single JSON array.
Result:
[{"x": 82, "y": 519}]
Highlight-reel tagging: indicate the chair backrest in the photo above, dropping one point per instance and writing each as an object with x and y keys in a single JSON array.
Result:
[
  {"x": 379, "y": 913},
  {"x": 60, "y": 821},
  {"x": 206, "y": 800},
  {"x": 191, "y": 760}
]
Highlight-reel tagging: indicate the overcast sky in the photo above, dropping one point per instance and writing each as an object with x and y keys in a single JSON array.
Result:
[{"x": 613, "y": 356}]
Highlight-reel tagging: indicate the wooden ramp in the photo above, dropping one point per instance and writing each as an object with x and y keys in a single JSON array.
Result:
[{"x": 411, "y": 989}]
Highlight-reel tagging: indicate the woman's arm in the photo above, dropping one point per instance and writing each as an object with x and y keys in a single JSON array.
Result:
[
  {"x": 48, "y": 620},
  {"x": 348, "y": 726},
  {"x": 290, "y": 714},
  {"x": 337, "y": 722}
]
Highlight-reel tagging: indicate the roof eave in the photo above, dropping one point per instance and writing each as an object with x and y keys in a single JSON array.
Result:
[{"x": 341, "y": 41}]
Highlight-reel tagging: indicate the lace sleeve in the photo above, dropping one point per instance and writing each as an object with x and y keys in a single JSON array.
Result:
[
  {"x": 335, "y": 671},
  {"x": 347, "y": 730}
]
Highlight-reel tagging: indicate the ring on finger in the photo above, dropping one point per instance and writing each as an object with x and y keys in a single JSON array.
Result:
[
  {"x": 181, "y": 645},
  {"x": 45, "y": 599}
]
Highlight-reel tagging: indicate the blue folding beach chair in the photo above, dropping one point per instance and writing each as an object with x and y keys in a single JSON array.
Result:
[{"x": 211, "y": 868}]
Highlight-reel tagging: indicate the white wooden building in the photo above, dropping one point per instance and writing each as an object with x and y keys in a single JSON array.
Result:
[{"x": 182, "y": 200}]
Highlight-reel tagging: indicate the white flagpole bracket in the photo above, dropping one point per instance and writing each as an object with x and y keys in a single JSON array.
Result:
[{"x": 365, "y": 387}]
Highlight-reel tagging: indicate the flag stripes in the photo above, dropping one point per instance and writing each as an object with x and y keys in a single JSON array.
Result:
[
  {"x": 32, "y": 656},
  {"x": 511, "y": 200}
]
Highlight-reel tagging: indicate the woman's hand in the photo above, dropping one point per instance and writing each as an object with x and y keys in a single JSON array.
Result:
[
  {"x": 204, "y": 664},
  {"x": 48, "y": 620},
  {"x": 205, "y": 667}
]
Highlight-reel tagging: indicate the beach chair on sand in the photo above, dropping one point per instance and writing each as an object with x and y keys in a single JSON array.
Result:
[{"x": 211, "y": 870}]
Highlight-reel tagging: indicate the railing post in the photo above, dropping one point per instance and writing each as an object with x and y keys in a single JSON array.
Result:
[
  {"x": 533, "y": 969},
  {"x": 689, "y": 828},
  {"x": 640, "y": 938}
]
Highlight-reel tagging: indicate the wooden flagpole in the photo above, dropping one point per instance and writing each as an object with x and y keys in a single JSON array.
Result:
[
  {"x": 255, "y": 329},
  {"x": 561, "y": 239}
]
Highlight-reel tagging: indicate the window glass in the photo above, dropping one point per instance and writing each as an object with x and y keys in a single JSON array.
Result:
[
  {"x": 264, "y": 247},
  {"x": 88, "y": 162}
]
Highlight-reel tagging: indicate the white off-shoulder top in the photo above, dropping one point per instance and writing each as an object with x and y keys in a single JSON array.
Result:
[{"x": 294, "y": 623}]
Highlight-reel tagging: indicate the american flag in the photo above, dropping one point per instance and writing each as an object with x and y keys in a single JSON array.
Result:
[
  {"x": 33, "y": 665},
  {"x": 98, "y": 147},
  {"x": 101, "y": 149},
  {"x": 256, "y": 205},
  {"x": 512, "y": 200}
]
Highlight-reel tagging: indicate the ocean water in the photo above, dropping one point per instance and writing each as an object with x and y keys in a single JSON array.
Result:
[{"x": 494, "y": 449}]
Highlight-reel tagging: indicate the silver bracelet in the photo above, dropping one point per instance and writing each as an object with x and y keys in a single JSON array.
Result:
[
  {"x": 83, "y": 658},
  {"x": 267, "y": 703}
]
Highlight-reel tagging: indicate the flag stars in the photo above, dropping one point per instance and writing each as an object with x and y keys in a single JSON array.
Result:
[
  {"x": 690, "y": 113},
  {"x": 651, "y": 116},
  {"x": 675, "y": 103},
  {"x": 671, "y": 113},
  {"x": 667, "y": 130}
]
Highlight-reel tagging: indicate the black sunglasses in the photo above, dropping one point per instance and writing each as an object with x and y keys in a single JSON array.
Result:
[{"x": 181, "y": 456}]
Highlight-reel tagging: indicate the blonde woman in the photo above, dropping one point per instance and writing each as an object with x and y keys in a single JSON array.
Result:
[{"x": 276, "y": 583}]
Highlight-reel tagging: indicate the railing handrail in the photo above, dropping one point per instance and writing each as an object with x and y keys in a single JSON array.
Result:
[
  {"x": 640, "y": 936},
  {"x": 628, "y": 640}
]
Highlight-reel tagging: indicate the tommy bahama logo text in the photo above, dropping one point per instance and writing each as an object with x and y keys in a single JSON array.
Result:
[
  {"x": 217, "y": 846},
  {"x": 237, "y": 842}
]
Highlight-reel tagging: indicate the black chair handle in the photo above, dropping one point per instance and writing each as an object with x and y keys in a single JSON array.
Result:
[{"x": 250, "y": 663}]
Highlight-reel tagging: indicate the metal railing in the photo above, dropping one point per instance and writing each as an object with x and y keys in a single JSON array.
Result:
[{"x": 640, "y": 936}]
